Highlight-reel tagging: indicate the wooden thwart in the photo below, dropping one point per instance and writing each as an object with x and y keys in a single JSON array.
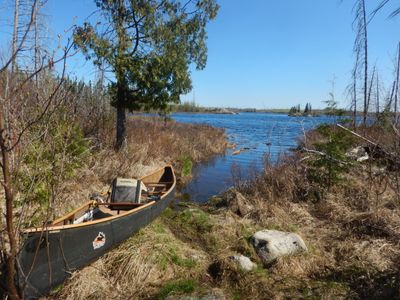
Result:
[
  {"x": 121, "y": 204},
  {"x": 158, "y": 183}
]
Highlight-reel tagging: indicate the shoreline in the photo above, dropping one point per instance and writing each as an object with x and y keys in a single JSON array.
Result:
[
  {"x": 190, "y": 251},
  {"x": 192, "y": 247}
]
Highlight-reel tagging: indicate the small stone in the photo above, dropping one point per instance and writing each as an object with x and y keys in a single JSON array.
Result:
[
  {"x": 358, "y": 153},
  {"x": 271, "y": 244},
  {"x": 244, "y": 262}
]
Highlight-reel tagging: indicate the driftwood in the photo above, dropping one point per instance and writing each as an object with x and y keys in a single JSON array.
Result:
[{"x": 320, "y": 153}]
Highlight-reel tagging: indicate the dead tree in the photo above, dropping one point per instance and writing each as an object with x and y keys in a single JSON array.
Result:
[
  {"x": 371, "y": 84},
  {"x": 361, "y": 46},
  {"x": 353, "y": 87},
  {"x": 377, "y": 109},
  {"x": 396, "y": 91},
  {"x": 15, "y": 34}
]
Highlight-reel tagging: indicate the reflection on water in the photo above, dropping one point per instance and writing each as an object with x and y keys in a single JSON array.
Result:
[{"x": 258, "y": 133}]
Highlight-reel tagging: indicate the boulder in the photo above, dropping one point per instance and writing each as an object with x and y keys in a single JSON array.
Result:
[
  {"x": 272, "y": 244},
  {"x": 244, "y": 262}
]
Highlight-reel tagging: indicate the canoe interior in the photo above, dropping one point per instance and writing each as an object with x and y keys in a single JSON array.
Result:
[{"x": 158, "y": 184}]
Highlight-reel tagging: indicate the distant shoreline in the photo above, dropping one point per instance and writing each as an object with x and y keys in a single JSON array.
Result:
[{"x": 315, "y": 113}]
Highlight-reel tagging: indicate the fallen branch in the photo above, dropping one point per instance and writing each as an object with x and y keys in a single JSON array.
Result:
[
  {"x": 357, "y": 135},
  {"x": 324, "y": 155}
]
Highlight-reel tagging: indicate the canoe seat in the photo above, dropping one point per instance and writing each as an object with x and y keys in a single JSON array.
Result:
[
  {"x": 157, "y": 188},
  {"x": 149, "y": 184}
]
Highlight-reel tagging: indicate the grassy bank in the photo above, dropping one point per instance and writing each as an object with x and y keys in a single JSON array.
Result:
[
  {"x": 152, "y": 144},
  {"x": 348, "y": 217}
]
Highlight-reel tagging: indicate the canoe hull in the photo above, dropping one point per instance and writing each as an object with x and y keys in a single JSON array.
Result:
[{"x": 48, "y": 258}]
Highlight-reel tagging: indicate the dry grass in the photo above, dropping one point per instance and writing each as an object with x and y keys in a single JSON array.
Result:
[
  {"x": 352, "y": 233},
  {"x": 138, "y": 268},
  {"x": 152, "y": 144}
]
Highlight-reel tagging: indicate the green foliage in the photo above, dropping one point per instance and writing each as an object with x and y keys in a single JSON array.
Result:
[
  {"x": 187, "y": 165},
  {"x": 170, "y": 255},
  {"x": 149, "y": 45},
  {"x": 326, "y": 170},
  {"x": 193, "y": 219},
  {"x": 183, "y": 286},
  {"x": 307, "y": 109},
  {"x": 182, "y": 262},
  {"x": 188, "y": 106},
  {"x": 49, "y": 161},
  {"x": 331, "y": 103},
  {"x": 384, "y": 118},
  {"x": 294, "y": 110}
]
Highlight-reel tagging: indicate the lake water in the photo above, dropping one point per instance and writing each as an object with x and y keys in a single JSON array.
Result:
[{"x": 261, "y": 133}]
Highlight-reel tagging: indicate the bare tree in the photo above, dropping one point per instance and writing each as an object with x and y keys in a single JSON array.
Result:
[
  {"x": 396, "y": 90},
  {"x": 377, "y": 108},
  {"x": 371, "y": 84},
  {"x": 361, "y": 46},
  {"x": 14, "y": 125},
  {"x": 353, "y": 87},
  {"x": 15, "y": 34},
  {"x": 381, "y": 5}
]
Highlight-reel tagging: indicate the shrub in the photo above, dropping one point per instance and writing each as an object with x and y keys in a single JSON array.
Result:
[
  {"x": 187, "y": 165},
  {"x": 48, "y": 162},
  {"x": 327, "y": 169}
]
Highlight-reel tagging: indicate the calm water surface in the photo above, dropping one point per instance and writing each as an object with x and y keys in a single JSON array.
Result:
[{"x": 260, "y": 132}]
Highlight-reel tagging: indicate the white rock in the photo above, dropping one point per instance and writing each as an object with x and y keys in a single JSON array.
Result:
[
  {"x": 271, "y": 244},
  {"x": 358, "y": 153},
  {"x": 244, "y": 262},
  {"x": 363, "y": 158}
]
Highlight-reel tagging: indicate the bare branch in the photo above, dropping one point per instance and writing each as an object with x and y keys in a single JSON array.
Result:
[{"x": 27, "y": 30}]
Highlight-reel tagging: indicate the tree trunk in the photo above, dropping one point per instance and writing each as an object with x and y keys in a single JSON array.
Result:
[
  {"x": 370, "y": 88},
  {"x": 15, "y": 35},
  {"x": 121, "y": 80},
  {"x": 355, "y": 97},
  {"x": 365, "y": 64},
  {"x": 397, "y": 85},
  {"x": 377, "y": 97},
  {"x": 7, "y": 185},
  {"x": 121, "y": 127}
]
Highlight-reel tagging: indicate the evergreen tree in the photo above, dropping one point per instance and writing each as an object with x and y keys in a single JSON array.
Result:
[{"x": 148, "y": 45}]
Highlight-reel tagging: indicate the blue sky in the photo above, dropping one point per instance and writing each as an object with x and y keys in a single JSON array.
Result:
[{"x": 267, "y": 54}]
